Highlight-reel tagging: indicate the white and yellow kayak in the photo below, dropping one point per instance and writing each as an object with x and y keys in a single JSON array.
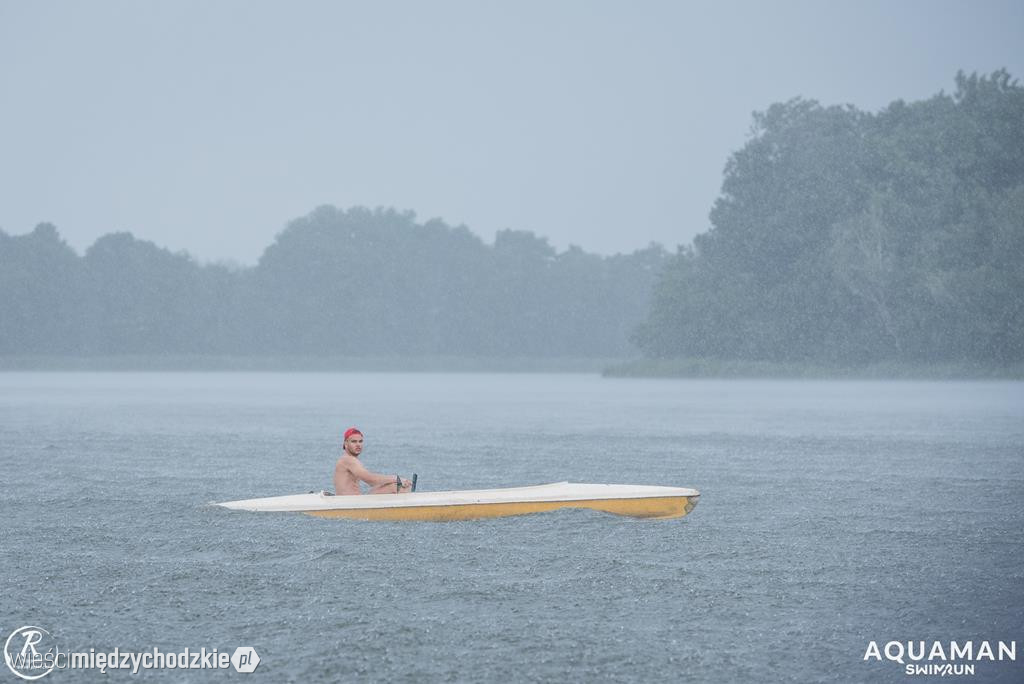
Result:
[{"x": 639, "y": 501}]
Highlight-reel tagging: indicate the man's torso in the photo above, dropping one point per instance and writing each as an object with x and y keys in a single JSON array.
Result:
[{"x": 344, "y": 481}]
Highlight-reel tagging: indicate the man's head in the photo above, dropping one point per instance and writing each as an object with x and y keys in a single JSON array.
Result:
[{"x": 353, "y": 442}]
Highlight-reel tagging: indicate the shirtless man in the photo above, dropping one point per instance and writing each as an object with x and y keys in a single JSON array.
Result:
[{"x": 349, "y": 471}]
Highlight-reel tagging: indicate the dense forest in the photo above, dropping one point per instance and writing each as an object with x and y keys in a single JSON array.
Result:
[
  {"x": 844, "y": 237},
  {"x": 334, "y": 283},
  {"x": 840, "y": 238}
]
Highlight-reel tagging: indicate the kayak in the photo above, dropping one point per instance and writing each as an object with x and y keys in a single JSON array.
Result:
[{"x": 638, "y": 501}]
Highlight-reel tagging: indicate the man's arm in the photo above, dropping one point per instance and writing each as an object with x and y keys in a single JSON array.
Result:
[{"x": 361, "y": 472}]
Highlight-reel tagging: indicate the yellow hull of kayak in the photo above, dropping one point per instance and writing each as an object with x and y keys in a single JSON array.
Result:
[{"x": 657, "y": 507}]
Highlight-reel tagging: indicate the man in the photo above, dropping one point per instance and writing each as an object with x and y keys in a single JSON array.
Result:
[{"x": 349, "y": 471}]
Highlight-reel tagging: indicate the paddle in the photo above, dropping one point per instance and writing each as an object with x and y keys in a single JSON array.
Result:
[{"x": 414, "y": 482}]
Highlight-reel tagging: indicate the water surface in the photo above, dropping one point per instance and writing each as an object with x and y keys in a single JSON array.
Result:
[{"x": 832, "y": 514}]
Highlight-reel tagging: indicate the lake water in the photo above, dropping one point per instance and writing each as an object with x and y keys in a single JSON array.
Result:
[{"x": 832, "y": 514}]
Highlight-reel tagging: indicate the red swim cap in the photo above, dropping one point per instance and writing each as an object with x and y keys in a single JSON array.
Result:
[{"x": 352, "y": 431}]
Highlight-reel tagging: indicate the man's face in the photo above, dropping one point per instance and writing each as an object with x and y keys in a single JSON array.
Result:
[{"x": 354, "y": 445}]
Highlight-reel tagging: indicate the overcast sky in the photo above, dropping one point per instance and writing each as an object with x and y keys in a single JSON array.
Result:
[{"x": 206, "y": 126}]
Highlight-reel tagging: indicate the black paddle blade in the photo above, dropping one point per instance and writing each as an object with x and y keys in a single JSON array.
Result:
[{"x": 414, "y": 482}]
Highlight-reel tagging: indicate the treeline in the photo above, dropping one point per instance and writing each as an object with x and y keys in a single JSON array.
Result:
[
  {"x": 334, "y": 283},
  {"x": 840, "y": 237},
  {"x": 843, "y": 237}
]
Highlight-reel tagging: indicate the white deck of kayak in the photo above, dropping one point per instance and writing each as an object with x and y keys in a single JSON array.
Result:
[{"x": 557, "y": 491}]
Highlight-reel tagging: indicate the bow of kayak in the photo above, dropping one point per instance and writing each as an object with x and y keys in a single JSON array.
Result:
[{"x": 638, "y": 501}]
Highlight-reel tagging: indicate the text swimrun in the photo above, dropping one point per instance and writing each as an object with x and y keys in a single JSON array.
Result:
[{"x": 970, "y": 651}]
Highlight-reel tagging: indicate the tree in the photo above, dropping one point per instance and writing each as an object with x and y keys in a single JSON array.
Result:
[{"x": 842, "y": 236}]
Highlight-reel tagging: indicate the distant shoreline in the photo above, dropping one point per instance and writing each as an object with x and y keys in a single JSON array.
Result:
[
  {"x": 609, "y": 368},
  {"x": 300, "y": 364},
  {"x": 711, "y": 368}
]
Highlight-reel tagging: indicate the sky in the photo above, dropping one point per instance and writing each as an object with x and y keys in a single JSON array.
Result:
[{"x": 206, "y": 126}]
